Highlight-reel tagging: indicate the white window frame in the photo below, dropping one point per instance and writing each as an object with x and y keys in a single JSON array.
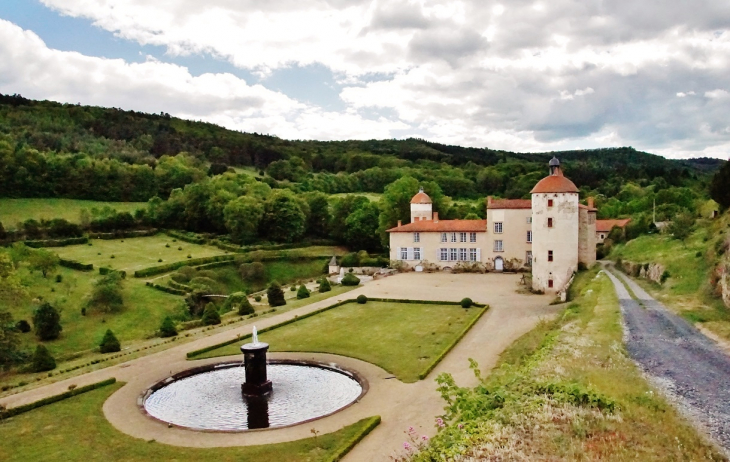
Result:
[
  {"x": 529, "y": 237},
  {"x": 463, "y": 255},
  {"x": 453, "y": 254},
  {"x": 417, "y": 253},
  {"x": 499, "y": 245},
  {"x": 444, "y": 237},
  {"x": 462, "y": 237},
  {"x": 453, "y": 237},
  {"x": 443, "y": 254},
  {"x": 498, "y": 227},
  {"x": 404, "y": 253},
  {"x": 472, "y": 237},
  {"x": 528, "y": 258},
  {"x": 529, "y": 220},
  {"x": 416, "y": 237},
  {"x": 472, "y": 254}
]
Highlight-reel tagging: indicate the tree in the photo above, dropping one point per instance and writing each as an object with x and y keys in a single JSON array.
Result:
[
  {"x": 319, "y": 214},
  {"x": 245, "y": 307},
  {"x": 167, "y": 328},
  {"x": 719, "y": 189},
  {"x": 362, "y": 228},
  {"x": 110, "y": 343},
  {"x": 341, "y": 209},
  {"x": 283, "y": 220},
  {"x": 12, "y": 291},
  {"x": 681, "y": 227},
  {"x": 210, "y": 315},
  {"x": 107, "y": 293},
  {"x": 396, "y": 202},
  {"x": 243, "y": 217},
  {"x": 47, "y": 322},
  {"x": 42, "y": 360},
  {"x": 303, "y": 292},
  {"x": 43, "y": 261},
  {"x": 324, "y": 285},
  {"x": 275, "y": 294},
  {"x": 3, "y": 233},
  {"x": 9, "y": 341}
]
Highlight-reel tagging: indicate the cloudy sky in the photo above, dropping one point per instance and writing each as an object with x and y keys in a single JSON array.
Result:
[{"x": 522, "y": 75}]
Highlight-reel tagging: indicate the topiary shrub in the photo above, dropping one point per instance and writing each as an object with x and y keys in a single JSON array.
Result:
[
  {"x": 59, "y": 278},
  {"x": 210, "y": 315},
  {"x": 466, "y": 302},
  {"x": 110, "y": 343},
  {"x": 303, "y": 292},
  {"x": 350, "y": 280},
  {"x": 167, "y": 328},
  {"x": 362, "y": 299},
  {"x": 275, "y": 294},
  {"x": 293, "y": 288},
  {"x": 245, "y": 307},
  {"x": 257, "y": 298},
  {"x": 22, "y": 326},
  {"x": 324, "y": 285},
  {"x": 47, "y": 322},
  {"x": 42, "y": 360}
]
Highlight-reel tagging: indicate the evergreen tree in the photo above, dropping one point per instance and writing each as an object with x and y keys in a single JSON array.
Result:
[
  {"x": 210, "y": 315},
  {"x": 167, "y": 328},
  {"x": 110, "y": 343},
  {"x": 324, "y": 285},
  {"x": 275, "y": 294},
  {"x": 42, "y": 360},
  {"x": 245, "y": 307},
  {"x": 303, "y": 292},
  {"x": 47, "y": 322}
]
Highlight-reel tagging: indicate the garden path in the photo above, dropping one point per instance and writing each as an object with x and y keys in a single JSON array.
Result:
[{"x": 400, "y": 405}]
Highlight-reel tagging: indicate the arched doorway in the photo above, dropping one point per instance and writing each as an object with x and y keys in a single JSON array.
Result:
[{"x": 498, "y": 264}]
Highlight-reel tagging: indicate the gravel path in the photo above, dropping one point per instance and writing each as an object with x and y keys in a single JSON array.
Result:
[{"x": 691, "y": 368}]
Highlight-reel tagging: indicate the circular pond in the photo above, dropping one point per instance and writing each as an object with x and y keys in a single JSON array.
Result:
[{"x": 211, "y": 399}]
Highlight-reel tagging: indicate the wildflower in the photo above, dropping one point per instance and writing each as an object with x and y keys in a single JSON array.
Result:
[
  {"x": 424, "y": 438},
  {"x": 461, "y": 426},
  {"x": 411, "y": 430},
  {"x": 406, "y": 446},
  {"x": 440, "y": 422}
]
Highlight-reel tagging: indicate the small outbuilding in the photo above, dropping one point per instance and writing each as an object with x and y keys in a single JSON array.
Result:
[{"x": 334, "y": 268}]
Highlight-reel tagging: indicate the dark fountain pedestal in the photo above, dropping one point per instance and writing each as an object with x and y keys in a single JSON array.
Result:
[{"x": 254, "y": 361}]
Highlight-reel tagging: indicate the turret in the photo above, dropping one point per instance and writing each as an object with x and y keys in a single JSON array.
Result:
[{"x": 421, "y": 207}]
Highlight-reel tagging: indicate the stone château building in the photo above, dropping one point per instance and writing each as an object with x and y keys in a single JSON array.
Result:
[{"x": 551, "y": 234}]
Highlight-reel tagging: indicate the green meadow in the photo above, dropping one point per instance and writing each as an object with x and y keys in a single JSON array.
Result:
[{"x": 13, "y": 211}]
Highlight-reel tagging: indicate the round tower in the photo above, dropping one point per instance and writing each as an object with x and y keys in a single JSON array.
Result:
[
  {"x": 421, "y": 207},
  {"x": 555, "y": 230}
]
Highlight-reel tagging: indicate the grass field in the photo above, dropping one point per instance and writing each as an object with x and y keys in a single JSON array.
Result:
[
  {"x": 13, "y": 211},
  {"x": 374, "y": 197},
  {"x": 402, "y": 338},
  {"x": 75, "y": 429},
  {"x": 594, "y": 403},
  {"x": 135, "y": 253}
]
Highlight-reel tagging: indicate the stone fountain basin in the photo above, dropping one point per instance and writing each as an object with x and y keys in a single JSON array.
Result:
[{"x": 208, "y": 398}]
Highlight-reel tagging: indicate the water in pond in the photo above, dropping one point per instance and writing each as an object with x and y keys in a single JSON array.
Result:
[{"x": 212, "y": 400}]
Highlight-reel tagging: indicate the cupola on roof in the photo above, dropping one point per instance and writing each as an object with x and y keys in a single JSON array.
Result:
[
  {"x": 421, "y": 198},
  {"x": 555, "y": 182}
]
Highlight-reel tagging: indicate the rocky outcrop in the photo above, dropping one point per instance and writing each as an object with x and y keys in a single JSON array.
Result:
[{"x": 654, "y": 272}]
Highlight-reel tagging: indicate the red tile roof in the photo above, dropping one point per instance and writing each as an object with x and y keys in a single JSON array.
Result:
[
  {"x": 510, "y": 204},
  {"x": 442, "y": 226},
  {"x": 554, "y": 184},
  {"x": 605, "y": 226},
  {"x": 421, "y": 198}
]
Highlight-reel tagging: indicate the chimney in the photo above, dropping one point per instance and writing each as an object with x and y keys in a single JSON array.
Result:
[
  {"x": 399, "y": 224},
  {"x": 590, "y": 202},
  {"x": 489, "y": 201},
  {"x": 435, "y": 217}
]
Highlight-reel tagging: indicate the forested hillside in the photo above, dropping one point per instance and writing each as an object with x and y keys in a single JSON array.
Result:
[{"x": 49, "y": 149}]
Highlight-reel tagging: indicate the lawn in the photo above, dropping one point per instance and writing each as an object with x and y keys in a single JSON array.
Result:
[
  {"x": 75, "y": 429},
  {"x": 135, "y": 253},
  {"x": 402, "y": 338},
  {"x": 374, "y": 197},
  {"x": 13, "y": 211}
]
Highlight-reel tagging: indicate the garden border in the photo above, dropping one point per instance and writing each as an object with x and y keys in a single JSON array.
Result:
[
  {"x": 374, "y": 421},
  {"x": 13, "y": 411}
]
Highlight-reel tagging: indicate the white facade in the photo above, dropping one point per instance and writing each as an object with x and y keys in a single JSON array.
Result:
[{"x": 421, "y": 212}]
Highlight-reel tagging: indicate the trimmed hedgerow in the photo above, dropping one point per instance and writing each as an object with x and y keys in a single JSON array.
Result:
[
  {"x": 347, "y": 447},
  {"x": 57, "y": 242},
  {"x": 154, "y": 270},
  {"x": 187, "y": 237},
  {"x": 169, "y": 290},
  {"x": 124, "y": 234},
  {"x": 104, "y": 271},
  {"x": 75, "y": 265},
  {"x": 13, "y": 411}
]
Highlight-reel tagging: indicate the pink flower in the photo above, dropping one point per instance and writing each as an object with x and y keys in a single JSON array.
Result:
[
  {"x": 411, "y": 430},
  {"x": 440, "y": 422},
  {"x": 461, "y": 426},
  {"x": 407, "y": 446},
  {"x": 424, "y": 438}
]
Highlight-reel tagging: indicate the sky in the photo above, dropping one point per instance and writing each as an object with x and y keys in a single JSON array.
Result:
[{"x": 521, "y": 75}]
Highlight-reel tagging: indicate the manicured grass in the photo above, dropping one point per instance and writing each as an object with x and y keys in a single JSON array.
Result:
[
  {"x": 568, "y": 391},
  {"x": 402, "y": 338},
  {"x": 75, "y": 429},
  {"x": 135, "y": 253},
  {"x": 13, "y": 211}
]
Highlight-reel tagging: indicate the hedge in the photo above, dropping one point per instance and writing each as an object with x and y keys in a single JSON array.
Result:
[
  {"x": 169, "y": 290},
  {"x": 187, "y": 237},
  {"x": 57, "y": 242},
  {"x": 153, "y": 270},
  {"x": 104, "y": 271},
  {"x": 76, "y": 265},
  {"x": 254, "y": 248},
  {"x": 13, "y": 411},
  {"x": 217, "y": 264},
  {"x": 352, "y": 442},
  {"x": 124, "y": 234},
  {"x": 178, "y": 286}
]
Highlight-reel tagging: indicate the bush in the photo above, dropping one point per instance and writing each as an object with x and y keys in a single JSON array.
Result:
[
  {"x": 110, "y": 343},
  {"x": 350, "y": 280},
  {"x": 75, "y": 265},
  {"x": 324, "y": 285},
  {"x": 293, "y": 288},
  {"x": 47, "y": 322},
  {"x": 245, "y": 307},
  {"x": 22, "y": 326},
  {"x": 275, "y": 294},
  {"x": 665, "y": 275},
  {"x": 59, "y": 278},
  {"x": 349, "y": 260},
  {"x": 303, "y": 292},
  {"x": 42, "y": 360},
  {"x": 257, "y": 298},
  {"x": 167, "y": 328},
  {"x": 210, "y": 315},
  {"x": 362, "y": 299},
  {"x": 466, "y": 302}
]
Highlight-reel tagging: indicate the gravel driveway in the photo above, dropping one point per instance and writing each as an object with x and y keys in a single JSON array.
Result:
[{"x": 691, "y": 368}]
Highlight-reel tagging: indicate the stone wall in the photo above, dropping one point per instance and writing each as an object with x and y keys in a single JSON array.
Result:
[{"x": 650, "y": 271}]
